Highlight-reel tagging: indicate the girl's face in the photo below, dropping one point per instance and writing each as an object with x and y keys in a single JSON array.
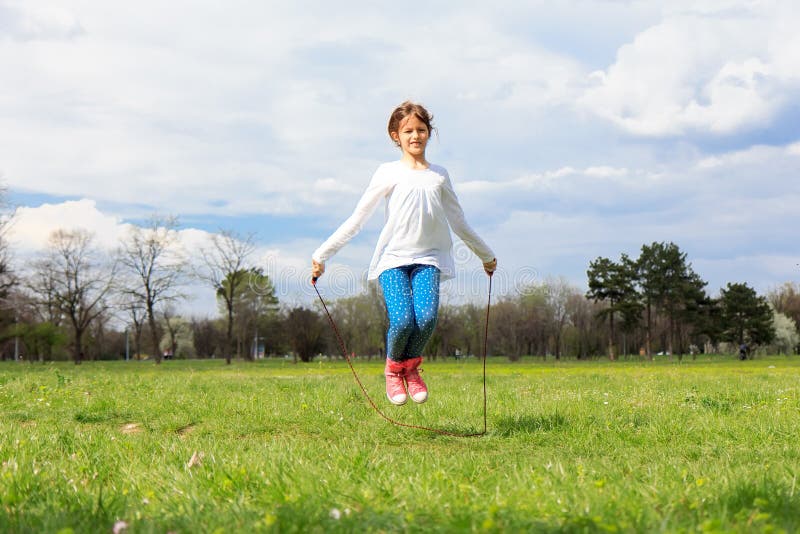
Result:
[{"x": 412, "y": 136}]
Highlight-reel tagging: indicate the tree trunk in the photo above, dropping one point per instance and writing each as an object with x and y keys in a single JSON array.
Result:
[
  {"x": 153, "y": 333},
  {"x": 647, "y": 342},
  {"x": 671, "y": 336},
  {"x": 611, "y": 354},
  {"x": 78, "y": 349},
  {"x": 229, "y": 333}
]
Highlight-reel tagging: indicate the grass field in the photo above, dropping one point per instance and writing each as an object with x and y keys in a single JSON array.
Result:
[{"x": 196, "y": 446}]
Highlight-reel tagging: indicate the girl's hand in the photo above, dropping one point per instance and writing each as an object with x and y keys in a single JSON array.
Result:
[
  {"x": 490, "y": 266},
  {"x": 316, "y": 270}
]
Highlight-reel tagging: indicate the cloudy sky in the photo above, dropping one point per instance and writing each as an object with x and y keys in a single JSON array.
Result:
[{"x": 571, "y": 128}]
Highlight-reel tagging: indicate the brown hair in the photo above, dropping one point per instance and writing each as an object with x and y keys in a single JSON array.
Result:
[{"x": 404, "y": 110}]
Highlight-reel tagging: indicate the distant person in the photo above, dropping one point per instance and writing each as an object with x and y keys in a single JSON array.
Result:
[
  {"x": 414, "y": 248},
  {"x": 743, "y": 351}
]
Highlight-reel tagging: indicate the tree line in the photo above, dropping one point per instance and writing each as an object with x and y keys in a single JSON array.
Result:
[
  {"x": 650, "y": 305},
  {"x": 71, "y": 300},
  {"x": 80, "y": 302}
]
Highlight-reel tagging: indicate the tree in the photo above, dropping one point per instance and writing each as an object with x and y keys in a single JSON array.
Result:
[
  {"x": 686, "y": 304},
  {"x": 40, "y": 300},
  {"x": 651, "y": 279},
  {"x": 708, "y": 322},
  {"x": 786, "y": 300},
  {"x": 441, "y": 342},
  {"x": 77, "y": 280},
  {"x": 614, "y": 283},
  {"x": 40, "y": 338},
  {"x": 506, "y": 329},
  {"x": 471, "y": 328},
  {"x": 531, "y": 321},
  {"x": 558, "y": 293},
  {"x": 152, "y": 256},
  {"x": 582, "y": 312},
  {"x": 305, "y": 331},
  {"x": 669, "y": 286},
  {"x": 225, "y": 268},
  {"x": 746, "y": 316},
  {"x": 360, "y": 322},
  {"x": 8, "y": 278},
  {"x": 137, "y": 313},
  {"x": 206, "y": 336},
  {"x": 255, "y": 311},
  {"x": 172, "y": 322},
  {"x": 787, "y": 337}
]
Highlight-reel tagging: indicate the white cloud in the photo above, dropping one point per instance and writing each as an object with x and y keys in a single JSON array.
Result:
[
  {"x": 38, "y": 22},
  {"x": 242, "y": 109},
  {"x": 31, "y": 227},
  {"x": 793, "y": 149},
  {"x": 717, "y": 67}
]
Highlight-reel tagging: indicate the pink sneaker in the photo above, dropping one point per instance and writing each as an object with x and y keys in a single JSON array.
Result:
[
  {"x": 395, "y": 388},
  {"x": 416, "y": 386}
]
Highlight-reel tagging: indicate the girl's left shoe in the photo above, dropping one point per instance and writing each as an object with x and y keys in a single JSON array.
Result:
[{"x": 417, "y": 389}]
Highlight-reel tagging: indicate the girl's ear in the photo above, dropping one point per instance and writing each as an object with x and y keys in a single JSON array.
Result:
[{"x": 395, "y": 136}]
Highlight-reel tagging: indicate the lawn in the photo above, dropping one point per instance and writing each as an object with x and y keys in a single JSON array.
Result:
[{"x": 711, "y": 445}]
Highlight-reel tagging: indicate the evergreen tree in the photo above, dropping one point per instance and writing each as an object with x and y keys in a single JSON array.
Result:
[
  {"x": 613, "y": 283},
  {"x": 669, "y": 286},
  {"x": 746, "y": 316}
]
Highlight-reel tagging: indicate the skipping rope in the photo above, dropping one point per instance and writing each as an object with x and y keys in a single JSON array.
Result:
[{"x": 375, "y": 406}]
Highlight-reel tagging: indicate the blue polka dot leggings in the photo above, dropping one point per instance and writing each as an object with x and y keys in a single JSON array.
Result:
[{"x": 411, "y": 293}]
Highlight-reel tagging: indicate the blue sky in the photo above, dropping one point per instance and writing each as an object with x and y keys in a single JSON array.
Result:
[{"x": 571, "y": 129}]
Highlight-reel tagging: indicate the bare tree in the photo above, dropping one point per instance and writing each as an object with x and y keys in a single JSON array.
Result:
[
  {"x": 225, "y": 268},
  {"x": 138, "y": 314},
  {"x": 76, "y": 279},
  {"x": 152, "y": 255},
  {"x": 558, "y": 292},
  {"x": 39, "y": 289},
  {"x": 8, "y": 278},
  {"x": 172, "y": 323}
]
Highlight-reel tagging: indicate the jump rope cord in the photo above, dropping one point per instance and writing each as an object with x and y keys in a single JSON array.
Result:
[{"x": 375, "y": 406}]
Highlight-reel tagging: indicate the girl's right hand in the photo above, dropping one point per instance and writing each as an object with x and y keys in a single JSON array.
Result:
[
  {"x": 490, "y": 266},
  {"x": 316, "y": 270}
]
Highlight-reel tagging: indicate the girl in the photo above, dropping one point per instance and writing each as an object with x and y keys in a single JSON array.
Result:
[{"x": 414, "y": 248}]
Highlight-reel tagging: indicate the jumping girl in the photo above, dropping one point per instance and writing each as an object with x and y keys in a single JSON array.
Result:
[{"x": 414, "y": 248}]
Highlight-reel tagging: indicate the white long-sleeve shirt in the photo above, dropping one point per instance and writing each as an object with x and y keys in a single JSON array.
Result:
[{"x": 421, "y": 207}]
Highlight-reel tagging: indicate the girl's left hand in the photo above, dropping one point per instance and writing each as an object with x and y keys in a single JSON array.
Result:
[{"x": 490, "y": 266}]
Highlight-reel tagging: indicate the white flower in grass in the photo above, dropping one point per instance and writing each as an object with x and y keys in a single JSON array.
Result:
[
  {"x": 335, "y": 514},
  {"x": 119, "y": 527}
]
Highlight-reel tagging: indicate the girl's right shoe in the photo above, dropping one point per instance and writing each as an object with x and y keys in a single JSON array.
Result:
[
  {"x": 416, "y": 386},
  {"x": 395, "y": 386}
]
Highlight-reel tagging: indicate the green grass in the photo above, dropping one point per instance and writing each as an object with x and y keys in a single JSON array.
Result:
[{"x": 707, "y": 445}]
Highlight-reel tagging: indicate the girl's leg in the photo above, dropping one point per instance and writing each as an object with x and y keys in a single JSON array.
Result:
[
  {"x": 425, "y": 289},
  {"x": 425, "y": 292},
  {"x": 397, "y": 294},
  {"x": 396, "y": 286}
]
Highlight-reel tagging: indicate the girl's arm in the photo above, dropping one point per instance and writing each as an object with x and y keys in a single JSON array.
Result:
[
  {"x": 378, "y": 188},
  {"x": 455, "y": 216}
]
